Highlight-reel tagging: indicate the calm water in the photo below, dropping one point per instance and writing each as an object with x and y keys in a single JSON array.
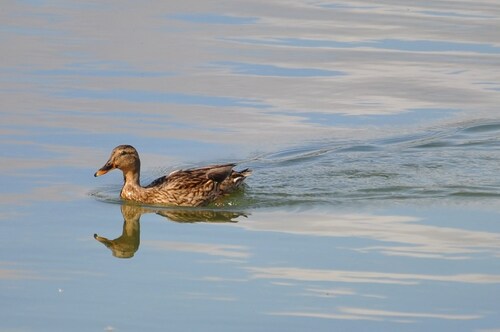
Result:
[{"x": 373, "y": 131}]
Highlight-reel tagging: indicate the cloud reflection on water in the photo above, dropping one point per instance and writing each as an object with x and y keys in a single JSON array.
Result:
[
  {"x": 16, "y": 274},
  {"x": 415, "y": 238},
  {"x": 219, "y": 250},
  {"x": 335, "y": 276},
  {"x": 378, "y": 315},
  {"x": 415, "y": 62}
]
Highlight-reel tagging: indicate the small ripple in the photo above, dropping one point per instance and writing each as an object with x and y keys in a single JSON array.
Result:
[
  {"x": 294, "y": 156},
  {"x": 475, "y": 133},
  {"x": 360, "y": 148},
  {"x": 482, "y": 128},
  {"x": 474, "y": 191},
  {"x": 110, "y": 194}
]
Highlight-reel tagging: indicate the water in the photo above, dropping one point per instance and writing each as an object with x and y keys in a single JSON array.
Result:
[{"x": 372, "y": 129}]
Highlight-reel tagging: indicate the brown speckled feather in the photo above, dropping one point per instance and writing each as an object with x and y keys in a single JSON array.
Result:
[{"x": 192, "y": 187}]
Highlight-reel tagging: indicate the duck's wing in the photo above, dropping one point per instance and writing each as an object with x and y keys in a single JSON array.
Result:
[
  {"x": 193, "y": 177},
  {"x": 158, "y": 182},
  {"x": 219, "y": 173}
]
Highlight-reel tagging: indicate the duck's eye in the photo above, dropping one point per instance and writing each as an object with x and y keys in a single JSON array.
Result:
[{"x": 123, "y": 153}]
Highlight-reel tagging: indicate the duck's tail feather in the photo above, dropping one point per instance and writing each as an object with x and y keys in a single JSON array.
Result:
[{"x": 234, "y": 180}]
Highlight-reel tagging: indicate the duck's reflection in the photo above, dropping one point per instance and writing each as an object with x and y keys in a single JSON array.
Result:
[{"x": 127, "y": 244}]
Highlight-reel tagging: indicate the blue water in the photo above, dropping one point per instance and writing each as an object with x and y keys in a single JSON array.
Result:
[{"x": 372, "y": 129}]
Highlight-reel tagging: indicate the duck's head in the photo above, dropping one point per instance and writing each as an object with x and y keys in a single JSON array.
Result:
[{"x": 123, "y": 157}]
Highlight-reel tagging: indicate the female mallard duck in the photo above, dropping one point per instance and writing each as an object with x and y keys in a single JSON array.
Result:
[{"x": 192, "y": 187}]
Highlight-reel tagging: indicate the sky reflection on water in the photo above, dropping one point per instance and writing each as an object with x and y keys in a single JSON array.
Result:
[{"x": 373, "y": 131}]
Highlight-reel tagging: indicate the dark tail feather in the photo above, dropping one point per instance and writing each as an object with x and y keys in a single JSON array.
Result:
[
  {"x": 246, "y": 172},
  {"x": 234, "y": 180},
  {"x": 237, "y": 177}
]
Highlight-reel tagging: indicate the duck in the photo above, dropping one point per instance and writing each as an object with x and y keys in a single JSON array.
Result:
[{"x": 184, "y": 187}]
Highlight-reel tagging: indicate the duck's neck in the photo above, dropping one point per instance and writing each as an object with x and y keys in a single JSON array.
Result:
[
  {"x": 132, "y": 189},
  {"x": 132, "y": 178}
]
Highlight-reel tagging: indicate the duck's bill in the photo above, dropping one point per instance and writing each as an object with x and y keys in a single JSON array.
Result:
[
  {"x": 104, "y": 169},
  {"x": 102, "y": 239}
]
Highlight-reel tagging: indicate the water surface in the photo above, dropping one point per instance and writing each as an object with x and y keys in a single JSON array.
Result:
[{"x": 373, "y": 131}]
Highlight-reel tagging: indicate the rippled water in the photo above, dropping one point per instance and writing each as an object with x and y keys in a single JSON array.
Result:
[
  {"x": 462, "y": 160},
  {"x": 372, "y": 129},
  {"x": 447, "y": 163}
]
